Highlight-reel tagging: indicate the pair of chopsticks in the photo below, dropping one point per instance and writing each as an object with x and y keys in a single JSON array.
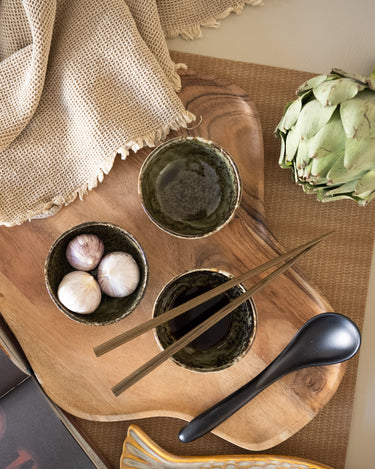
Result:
[{"x": 160, "y": 358}]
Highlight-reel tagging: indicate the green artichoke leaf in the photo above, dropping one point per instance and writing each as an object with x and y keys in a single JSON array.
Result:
[
  {"x": 321, "y": 166},
  {"x": 365, "y": 80},
  {"x": 329, "y": 139},
  {"x": 282, "y": 151},
  {"x": 312, "y": 118},
  {"x": 322, "y": 197},
  {"x": 309, "y": 189},
  {"x": 330, "y": 93},
  {"x": 369, "y": 198},
  {"x": 360, "y": 154},
  {"x": 311, "y": 83},
  {"x": 291, "y": 115},
  {"x": 316, "y": 181},
  {"x": 306, "y": 172},
  {"x": 348, "y": 187},
  {"x": 366, "y": 185},
  {"x": 295, "y": 174},
  {"x": 358, "y": 115},
  {"x": 338, "y": 174},
  {"x": 298, "y": 174},
  {"x": 302, "y": 157},
  {"x": 292, "y": 141}
]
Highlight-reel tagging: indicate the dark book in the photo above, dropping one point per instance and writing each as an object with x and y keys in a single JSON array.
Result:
[{"x": 34, "y": 433}]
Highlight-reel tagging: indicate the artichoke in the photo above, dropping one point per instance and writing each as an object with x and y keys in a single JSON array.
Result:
[{"x": 328, "y": 137}]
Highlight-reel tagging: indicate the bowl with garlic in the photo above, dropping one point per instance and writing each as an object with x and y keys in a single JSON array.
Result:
[{"x": 96, "y": 273}]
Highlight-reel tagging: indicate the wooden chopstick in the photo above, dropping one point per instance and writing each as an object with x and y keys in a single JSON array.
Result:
[
  {"x": 124, "y": 337},
  {"x": 161, "y": 357}
]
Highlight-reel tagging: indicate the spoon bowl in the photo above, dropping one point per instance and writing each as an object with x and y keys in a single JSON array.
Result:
[{"x": 326, "y": 339}]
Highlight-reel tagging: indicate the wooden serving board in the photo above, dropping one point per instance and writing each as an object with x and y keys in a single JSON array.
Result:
[{"x": 61, "y": 350}]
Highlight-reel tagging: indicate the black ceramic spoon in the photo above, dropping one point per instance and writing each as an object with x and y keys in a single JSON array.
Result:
[{"x": 325, "y": 339}]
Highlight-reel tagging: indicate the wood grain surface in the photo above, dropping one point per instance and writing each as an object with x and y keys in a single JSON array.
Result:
[{"x": 61, "y": 350}]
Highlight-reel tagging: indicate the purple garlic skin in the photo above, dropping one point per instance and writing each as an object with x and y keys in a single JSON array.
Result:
[{"x": 85, "y": 251}]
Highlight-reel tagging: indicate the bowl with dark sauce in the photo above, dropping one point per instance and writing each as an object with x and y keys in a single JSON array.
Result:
[
  {"x": 224, "y": 343},
  {"x": 189, "y": 187}
]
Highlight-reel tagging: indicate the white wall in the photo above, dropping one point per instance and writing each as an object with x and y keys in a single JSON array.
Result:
[
  {"x": 314, "y": 36},
  {"x": 308, "y": 35}
]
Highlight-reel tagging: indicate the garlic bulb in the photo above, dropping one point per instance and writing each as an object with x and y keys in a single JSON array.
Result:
[
  {"x": 118, "y": 274},
  {"x": 79, "y": 292},
  {"x": 85, "y": 251}
]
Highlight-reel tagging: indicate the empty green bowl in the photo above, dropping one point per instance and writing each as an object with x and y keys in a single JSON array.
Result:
[
  {"x": 220, "y": 346},
  {"x": 189, "y": 187},
  {"x": 115, "y": 238}
]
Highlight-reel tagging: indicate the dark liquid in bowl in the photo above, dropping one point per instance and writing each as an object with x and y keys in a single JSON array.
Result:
[
  {"x": 184, "y": 323},
  {"x": 188, "y": 189}
]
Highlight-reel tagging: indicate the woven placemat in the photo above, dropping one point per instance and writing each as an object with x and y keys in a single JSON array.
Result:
[{"x": 340, "y": 268}]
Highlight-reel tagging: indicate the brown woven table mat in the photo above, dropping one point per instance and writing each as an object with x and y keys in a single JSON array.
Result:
[{"x": 340, "y": 268}]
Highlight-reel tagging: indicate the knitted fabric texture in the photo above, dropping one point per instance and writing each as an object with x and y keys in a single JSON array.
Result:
[{"x": 82, "y": 81}]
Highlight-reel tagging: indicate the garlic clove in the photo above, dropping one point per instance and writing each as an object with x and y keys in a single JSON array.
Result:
[
  {"x": 79, "y": 292},
  {"x": 85, "y": 251},
  {"x": 118, "y": 274}
]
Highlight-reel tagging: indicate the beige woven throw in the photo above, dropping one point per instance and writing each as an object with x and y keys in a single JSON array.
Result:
[{"x": 82, "y": 81}]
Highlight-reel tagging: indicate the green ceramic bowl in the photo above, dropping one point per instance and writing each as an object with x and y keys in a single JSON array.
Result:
[
  {"x": 114, "y": 238},
  {"x": 189, "y": 187},
  {"x": 222, "y": 345}
]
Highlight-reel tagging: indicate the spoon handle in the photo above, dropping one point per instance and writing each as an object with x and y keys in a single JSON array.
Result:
[
  {"x": 215, "y": 415},
  {"x": 325, "y": 339}
]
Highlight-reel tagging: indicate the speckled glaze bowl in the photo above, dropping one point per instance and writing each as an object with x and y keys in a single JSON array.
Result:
[
  {"x": 222, "y": 345},
  {"x": 189, "y": 187},
  {"x": 114, "y": 238}
]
